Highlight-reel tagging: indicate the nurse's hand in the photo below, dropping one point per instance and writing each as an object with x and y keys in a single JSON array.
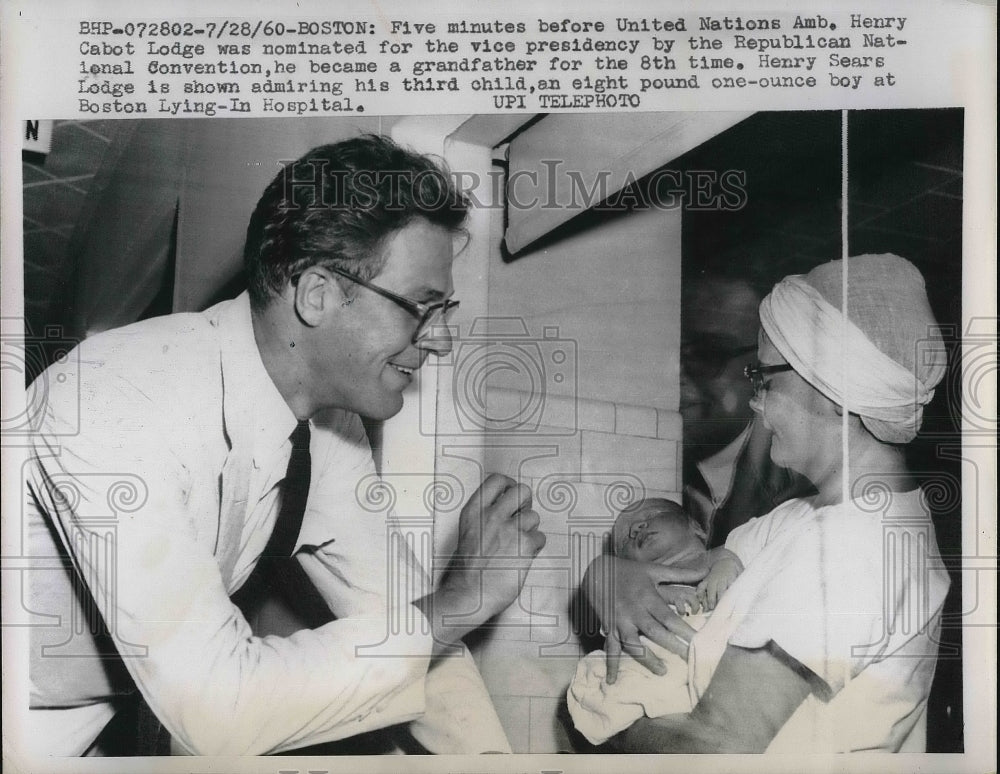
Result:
[{"x": 626, "y": 596}]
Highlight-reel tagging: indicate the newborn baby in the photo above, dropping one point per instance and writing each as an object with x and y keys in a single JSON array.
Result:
[{"x": 659, "y": 531}]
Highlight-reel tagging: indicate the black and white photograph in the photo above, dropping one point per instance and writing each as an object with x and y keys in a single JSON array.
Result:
[
  {"x": 609, "y": 382},
  {"x": 601, "y": 435}
]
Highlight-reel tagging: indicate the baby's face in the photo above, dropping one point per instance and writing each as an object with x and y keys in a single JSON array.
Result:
[{"x": 654, "y": 533}]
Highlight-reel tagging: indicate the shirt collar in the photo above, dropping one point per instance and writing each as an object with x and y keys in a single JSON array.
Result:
[{"x": 254, "y": 411}]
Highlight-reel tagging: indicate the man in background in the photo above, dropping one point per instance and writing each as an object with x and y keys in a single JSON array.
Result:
[{"x": 728, "y": 474}]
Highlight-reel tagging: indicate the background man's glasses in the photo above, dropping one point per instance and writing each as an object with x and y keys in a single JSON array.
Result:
[
  {"x": 429, "y": 315},
  {"x": 756, "y": 374},
  {"x": 708, "y": 361}
]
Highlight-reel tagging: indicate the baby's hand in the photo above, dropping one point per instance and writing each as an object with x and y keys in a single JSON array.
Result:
[
  {"x": 726, "y": 567},
  {"x": 684, "y": 598}
]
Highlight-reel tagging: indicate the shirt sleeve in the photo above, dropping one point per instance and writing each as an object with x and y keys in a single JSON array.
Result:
[
  {"x": 117, "y": 498},
  {"x": 817, "y": 594},
  {"x": 352, "y": 547}
]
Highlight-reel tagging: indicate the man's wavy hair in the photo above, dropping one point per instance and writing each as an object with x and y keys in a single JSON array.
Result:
[{"x": 338, "y": 205}]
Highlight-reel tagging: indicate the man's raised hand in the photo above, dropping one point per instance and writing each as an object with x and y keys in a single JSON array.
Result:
[{"x": 498, "y": 538}]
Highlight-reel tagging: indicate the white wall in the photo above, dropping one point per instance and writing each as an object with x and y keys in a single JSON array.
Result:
[{"x": 608, "y": 432}]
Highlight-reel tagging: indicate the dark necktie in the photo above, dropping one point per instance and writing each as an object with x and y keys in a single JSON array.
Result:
[{"x": 269, "y": 576}]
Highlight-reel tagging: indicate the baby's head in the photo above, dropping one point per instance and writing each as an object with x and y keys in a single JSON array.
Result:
[{"x": 656, "y": 530}]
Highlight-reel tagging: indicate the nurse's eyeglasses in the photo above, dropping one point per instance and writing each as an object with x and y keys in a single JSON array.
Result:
[
  {"x": 757, "y": 373},
  {"x": 707, "y": 359}
]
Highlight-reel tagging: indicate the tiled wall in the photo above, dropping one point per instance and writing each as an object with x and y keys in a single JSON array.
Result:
[
  {"x": 587, "y": 444},
  {"x": 565, "y": 376},
  {"x": 580, "y": 482}
]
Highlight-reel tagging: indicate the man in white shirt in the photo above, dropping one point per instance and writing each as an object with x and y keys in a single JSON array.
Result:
[{"x": 156, "y": 482}]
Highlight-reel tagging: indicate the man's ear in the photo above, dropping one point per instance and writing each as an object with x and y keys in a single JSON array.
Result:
[{"x": 316, "y": 294}]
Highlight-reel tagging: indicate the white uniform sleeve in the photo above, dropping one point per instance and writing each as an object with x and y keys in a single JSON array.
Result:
[{"x": 818, "y": 595}]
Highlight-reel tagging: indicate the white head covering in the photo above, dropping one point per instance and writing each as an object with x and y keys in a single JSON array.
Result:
[{"x": 882, "y": 359}]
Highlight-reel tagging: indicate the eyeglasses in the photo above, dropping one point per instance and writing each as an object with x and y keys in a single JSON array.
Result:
[
  {"x": 707, "y": 361},
  {"x": 427, "y": 314},
  {"x": 756, "y": 374}
]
